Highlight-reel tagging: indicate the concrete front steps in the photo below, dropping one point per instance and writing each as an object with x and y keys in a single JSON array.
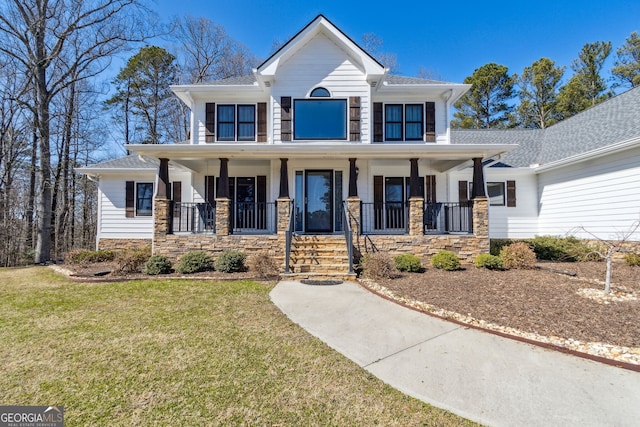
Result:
[{"x": 319, "y": 257}]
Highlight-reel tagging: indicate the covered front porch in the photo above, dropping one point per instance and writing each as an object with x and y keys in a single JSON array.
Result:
[{"x": 373, "y": 195}]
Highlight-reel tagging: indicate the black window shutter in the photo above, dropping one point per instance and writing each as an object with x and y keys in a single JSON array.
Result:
[
  {"x": 430, "y": 129},
  {"x": 431, "y": 189},
  {"x": 285, "y": 118},
  {"x": 210, "y": 122},
  {"x": 354, "y": 118},
  {"x": 511, "y": 194},
  {"x": 130, "y": 199},
  {"x": 378, "y": 199},
  {"x": 261, "y": 189},
  {"x": 209, "y": 188},
  {"x": 176, "y": 196},
  {"x": 463, "y": 191},
  {"x": 262, "y": 122},
  {"x": 377, "y": 122}
]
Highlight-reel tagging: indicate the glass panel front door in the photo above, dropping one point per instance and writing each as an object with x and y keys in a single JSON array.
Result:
[{"x": 319, "y": 201}]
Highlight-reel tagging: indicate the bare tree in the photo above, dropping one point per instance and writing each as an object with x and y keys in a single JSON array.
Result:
[
  {"x": 57, "y": 42},
  {"x": 208, "y": 52},
  {"x": 373, "y": 45},
  {"x": 608, "y": 248}
]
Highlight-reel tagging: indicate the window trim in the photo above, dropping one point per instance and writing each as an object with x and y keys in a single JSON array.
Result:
[
  {"x": 344, "y": 101},
  {"x": 503, "y": 186},
  {"x": 137, "y": 199},
  {"x": 407, "y": 122},
  {"x": 236, "y": 123},
  {"x": 403, "y": 121}
]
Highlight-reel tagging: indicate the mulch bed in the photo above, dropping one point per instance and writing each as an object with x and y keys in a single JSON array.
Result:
[{"x": 538, "y": 301}]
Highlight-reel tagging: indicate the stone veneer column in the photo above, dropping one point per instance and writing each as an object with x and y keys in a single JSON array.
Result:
[
  {"x": 416, "y": 216},
  {"x": 161, "y": 218},
  {"x": 353, "y": 206},
  {"x": 481, "y": 222},
  {"x": 223, "y": 216},
  {"x": 284, "y": 212}
]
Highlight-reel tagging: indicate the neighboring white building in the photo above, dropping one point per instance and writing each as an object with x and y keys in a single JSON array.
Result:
[{"x": 321, "y": 131}]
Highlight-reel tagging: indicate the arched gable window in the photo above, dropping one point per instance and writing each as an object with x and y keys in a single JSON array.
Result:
[{"x": 320, "y": 92}]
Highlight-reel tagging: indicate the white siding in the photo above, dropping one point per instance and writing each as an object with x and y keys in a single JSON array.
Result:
[
  {"x": 517, "y": 222},
  {"x": 320, "y": 63},
  {"x": 602, "y": 195},
  {"x": 112, "y": 221},
  {"x": 113, "y": 224}
]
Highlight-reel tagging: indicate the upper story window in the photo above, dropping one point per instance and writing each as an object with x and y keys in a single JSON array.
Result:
[
  {"x": 320, "y": 119},
  {"x": 404, "y": 122},
  {"x": 236, "y": 122},
  {"x": 320, "y": 92}
]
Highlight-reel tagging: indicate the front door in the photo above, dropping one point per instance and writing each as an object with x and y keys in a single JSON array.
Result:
[{"x": 318, "y": 201}]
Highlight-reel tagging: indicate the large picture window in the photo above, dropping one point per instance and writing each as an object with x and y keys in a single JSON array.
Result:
[{"x": 320, "y": 119}]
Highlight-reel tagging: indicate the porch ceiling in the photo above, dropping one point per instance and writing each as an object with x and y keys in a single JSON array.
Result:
[{"x": 443, "y": 156}]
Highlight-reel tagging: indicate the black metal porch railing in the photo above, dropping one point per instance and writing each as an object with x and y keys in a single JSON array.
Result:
[
  {"x": 384, "y": 218},
  {"x": 253, "y": 217},
  {"x": 448, "y": 217},
  {"x": 194, "y": 217}
]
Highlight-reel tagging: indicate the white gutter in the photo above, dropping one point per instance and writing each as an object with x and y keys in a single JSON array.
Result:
[{"x": 589, "y": 155}]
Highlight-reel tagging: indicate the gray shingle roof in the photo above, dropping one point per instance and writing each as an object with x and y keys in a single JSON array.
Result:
[
  {"x": 529, "y": 143},
  {"x": 403, "y": 80},
  {"x": 615, "y": 120},
  {"x": 132, "y": 161}
]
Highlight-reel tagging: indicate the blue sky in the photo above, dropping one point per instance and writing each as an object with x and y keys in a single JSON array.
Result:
[{"x": 451, "y": 38}]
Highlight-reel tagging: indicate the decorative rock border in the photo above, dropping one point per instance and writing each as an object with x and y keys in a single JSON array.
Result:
[{"x": 628, "y": 355}]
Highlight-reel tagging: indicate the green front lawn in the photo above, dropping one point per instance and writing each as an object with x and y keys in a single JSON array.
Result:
[{"x": 180, "y": 352}]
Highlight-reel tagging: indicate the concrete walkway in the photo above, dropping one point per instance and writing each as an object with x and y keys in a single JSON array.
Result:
[{"x": 489, "y": 379}]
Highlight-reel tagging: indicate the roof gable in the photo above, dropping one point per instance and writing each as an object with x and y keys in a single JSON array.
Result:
[{"x": 320, "y": 25}]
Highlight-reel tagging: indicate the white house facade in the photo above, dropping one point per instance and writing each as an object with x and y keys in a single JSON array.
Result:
[{"x": 321, "y": 155}]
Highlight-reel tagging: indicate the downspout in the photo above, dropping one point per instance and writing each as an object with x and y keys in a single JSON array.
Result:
[
  {"x": 447, "y": 107},
  {"x": 191, "y": 119}
]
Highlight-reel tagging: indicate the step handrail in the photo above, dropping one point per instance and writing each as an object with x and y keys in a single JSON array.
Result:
[
  {"x": 348, "y": 235},
  {"x": 288, "y": 236}
]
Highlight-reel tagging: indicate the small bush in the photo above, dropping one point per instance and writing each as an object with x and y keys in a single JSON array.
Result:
[
  {"x": 157, "y": 264},
  {"x": 85, "y": 256},
  {"x": 131, "y": 260},
  {"x": 488, "y": 261},
  {"x": 632, "y": 259},
  {"x": 408, "y": 262},
  {"x": 194, "y": 262},
  {"x": 378, "y": 266},
  {"x": 446, "y": 260},
  {"x": 518, "y": 255},
  {"x": 496, "y": 245},
  {"x": 230, "y": 261},
  {"x": 554, "y": 248},
  {"x": 264, "y": 265}
]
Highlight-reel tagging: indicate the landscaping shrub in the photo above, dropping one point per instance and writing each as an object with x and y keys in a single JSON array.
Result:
[
  {"x": 230, "y": 261},
  {"x": 496, "y": 245},
  {"x": 85, "y": 256},
  {"x": 632, "y": 259},
  {"x": 446, "y": 260},
  {"x": 264, "y": 265},
  {"x": 194, "y": 262},
  {"x": 488, "y": 261},
  {"x": 518, "y": 255},
  {"x": 131, "y": 260},
  {"x": 157, "y": 264},
  {"x": 554, "y": 248},
  {"x": 408, "y": 262},
  {"x": 378, "y": 266}
]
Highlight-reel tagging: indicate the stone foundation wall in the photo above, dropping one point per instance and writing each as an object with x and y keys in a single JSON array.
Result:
[
  {"x": 173, "y": 246},
  {"x": 467, "y": 247},
  {"x": 120, "y": 244}
]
